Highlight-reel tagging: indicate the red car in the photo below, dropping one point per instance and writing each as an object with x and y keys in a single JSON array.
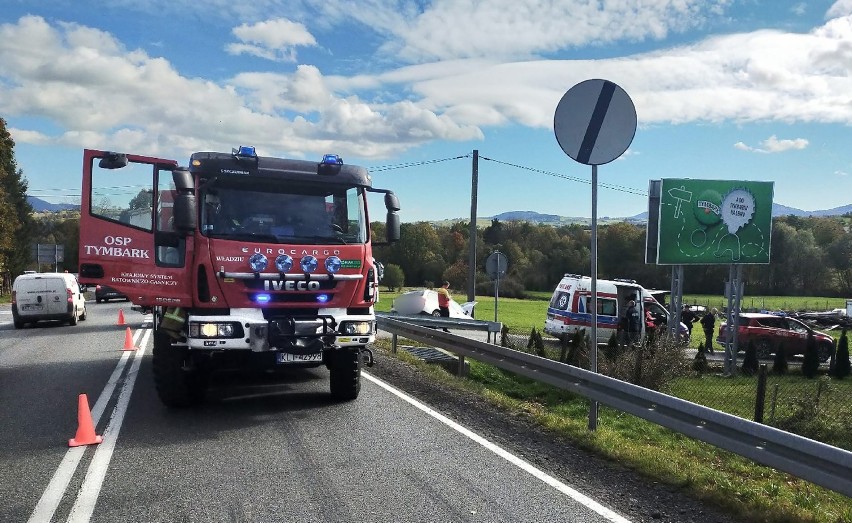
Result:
[{"x": 768, "y": 332}]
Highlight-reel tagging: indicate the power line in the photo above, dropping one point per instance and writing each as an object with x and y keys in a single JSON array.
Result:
[
  {"x": 612, "y": 186},
  {"x": 406, "y": 165},
  {"x": 415, "y": 164}
]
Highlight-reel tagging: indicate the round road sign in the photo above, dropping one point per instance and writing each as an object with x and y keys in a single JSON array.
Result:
[
  {"x": 595, "y": 122},
  {"x": 496, "y": 265}
]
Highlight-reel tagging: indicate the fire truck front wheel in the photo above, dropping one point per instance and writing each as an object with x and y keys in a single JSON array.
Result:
[
  {"x": 345, "y": 373},
  {"x": 178, "y": 382}
]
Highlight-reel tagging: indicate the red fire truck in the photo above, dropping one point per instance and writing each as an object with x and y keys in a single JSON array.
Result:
[{"x": 245, "y": 261}]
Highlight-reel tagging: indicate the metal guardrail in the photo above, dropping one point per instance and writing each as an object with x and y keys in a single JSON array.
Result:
[
  {"x": 492, "y": 327},
  {"x": 822, "y": 464}
]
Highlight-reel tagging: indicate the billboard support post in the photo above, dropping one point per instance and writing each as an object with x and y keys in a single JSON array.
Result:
[{"x": 733, "y": 290}]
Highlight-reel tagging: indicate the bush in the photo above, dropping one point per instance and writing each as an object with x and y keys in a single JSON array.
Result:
[
  {"x": 750, "y": 363},
  {"x": 699, "y": 364},
  {"x": 810, "y": 365},
  {"x": 510, "y": 287},
  {"x": 653, "y": 366},
  {"x": 611, "y": 351},
  {"x": 394, "y": 277},
  {"x": 841, "y": 362},
  {"x": 808, "y": 417},
  {"x": 779, "y": 364}
]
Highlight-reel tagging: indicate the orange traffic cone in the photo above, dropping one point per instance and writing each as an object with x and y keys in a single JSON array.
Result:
[
  {"x": 120, "y": 317},
  {"x": 128, "y": 341},
  {"x": 85, "y": 427}
]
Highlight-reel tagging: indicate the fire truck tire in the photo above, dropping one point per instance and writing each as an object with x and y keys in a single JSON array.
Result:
[
  {"x": 345, "y": 374},
  {"x": 176, "y": 386}
]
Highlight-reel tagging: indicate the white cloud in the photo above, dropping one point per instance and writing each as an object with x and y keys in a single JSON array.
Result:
[
  {"x": 275, "y": 39},
  {"x": 774, "y": 145},
  {"x": 30, "y": 137},
  {"x": 110, "y": 97},
  {"x": 451, "y": 29},
  {"x": 85, "y": 81},
  {"x": 839, "y": 8}
]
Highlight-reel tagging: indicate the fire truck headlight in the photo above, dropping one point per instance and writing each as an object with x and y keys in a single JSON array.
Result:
[
  {"x": 283, "y": 263},
  {"x": 215, "y": 330},
  {"x": 332, "y": 264},
  {"x": 308, "y": 263},
  {"x": 258, "y": 262},
  {"x": 356, "y": 327}
]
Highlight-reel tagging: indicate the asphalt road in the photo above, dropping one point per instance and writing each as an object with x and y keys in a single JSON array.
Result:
[{"x": 268, "y": 448}]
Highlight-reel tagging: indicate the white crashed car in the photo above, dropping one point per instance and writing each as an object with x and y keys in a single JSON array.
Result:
[{"x": 425, "y": 301}]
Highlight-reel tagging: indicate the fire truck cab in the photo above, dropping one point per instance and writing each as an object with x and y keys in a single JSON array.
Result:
[{"x": 245, "y": 261}]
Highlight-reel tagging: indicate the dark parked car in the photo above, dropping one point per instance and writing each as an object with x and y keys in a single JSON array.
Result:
[
  {"x": 105, "y": 292},
  {"x": 768, "y": 332}
]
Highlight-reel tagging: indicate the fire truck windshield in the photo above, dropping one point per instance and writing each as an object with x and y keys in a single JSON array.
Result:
[{"x": 314, "y": 214}]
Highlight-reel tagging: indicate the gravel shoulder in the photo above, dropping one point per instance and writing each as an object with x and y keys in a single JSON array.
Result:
[{"x": 630, "y": 494}]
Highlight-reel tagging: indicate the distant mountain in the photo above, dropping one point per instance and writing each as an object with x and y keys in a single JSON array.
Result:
[
  {"x": 529, "y": 216},
  {"x": 40, "y": 205}
]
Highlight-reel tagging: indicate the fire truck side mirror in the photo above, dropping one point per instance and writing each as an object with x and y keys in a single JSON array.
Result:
[
  {"x": 392, "y": 227},
  {"x": 391, "y": 202},
  {"x": 185, "y": 212},
  {"x": 113, "y": 161},
  {"x": 183, "y": 179}
]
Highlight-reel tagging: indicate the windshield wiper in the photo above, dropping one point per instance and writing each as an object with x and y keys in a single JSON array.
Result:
[
  {"x": 250, "y": 236},
  {"x": 317, "y": 239}
]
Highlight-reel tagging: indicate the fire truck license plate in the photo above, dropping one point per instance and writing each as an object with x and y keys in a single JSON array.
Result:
[{"x": 286, "y": 357}]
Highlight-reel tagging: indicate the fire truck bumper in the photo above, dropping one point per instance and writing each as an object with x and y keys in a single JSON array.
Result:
[{"x": 247, "y": 329}]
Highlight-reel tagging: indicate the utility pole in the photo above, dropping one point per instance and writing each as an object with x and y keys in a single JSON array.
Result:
[{"x": 474, "y": 187}]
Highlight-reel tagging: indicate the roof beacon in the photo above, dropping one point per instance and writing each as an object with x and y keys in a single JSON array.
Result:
[
  {"x": 245, "y": 151},
  {"x": 331, "y": 159}
]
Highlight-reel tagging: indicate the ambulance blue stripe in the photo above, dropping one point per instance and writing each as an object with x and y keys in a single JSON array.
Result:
[{"x": 584, "y": 318}]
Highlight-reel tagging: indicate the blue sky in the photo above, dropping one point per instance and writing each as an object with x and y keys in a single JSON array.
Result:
[{"x": 727, "y": 89}]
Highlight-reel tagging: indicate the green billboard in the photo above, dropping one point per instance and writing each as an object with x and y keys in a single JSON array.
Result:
[{"x": 713, "y": 222}]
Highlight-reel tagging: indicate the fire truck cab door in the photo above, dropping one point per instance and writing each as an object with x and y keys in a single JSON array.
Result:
[{"x": 127, "y": 235}]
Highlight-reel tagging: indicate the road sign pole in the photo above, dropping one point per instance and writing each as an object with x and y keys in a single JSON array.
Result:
[
  {"x": 593, "y": 349},
  {"x": 496, "y": 294},
  {"x": 594, "y": 124}
]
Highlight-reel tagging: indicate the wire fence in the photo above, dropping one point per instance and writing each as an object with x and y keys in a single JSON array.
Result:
[{"x": 818, "y": 407}]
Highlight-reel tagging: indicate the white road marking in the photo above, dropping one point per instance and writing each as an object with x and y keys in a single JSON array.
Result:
[
  {"x": 505, "y": 454},
  {"x": 88, "y": 495},
  {"x": 52, "y": 495}
]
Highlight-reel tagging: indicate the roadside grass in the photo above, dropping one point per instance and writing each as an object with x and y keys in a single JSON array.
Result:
[{"x": 754, "y": 492}]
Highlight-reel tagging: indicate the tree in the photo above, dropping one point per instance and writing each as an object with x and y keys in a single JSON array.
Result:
[
  {"x": 394, "y": 277},
  {"x": 15, "y": 211},
  {"x": 143, "y": 200},
  {"x": 841, "y": 363},
  {"x": 810, "y": 365},
  {"x": 418, "y": 252}
]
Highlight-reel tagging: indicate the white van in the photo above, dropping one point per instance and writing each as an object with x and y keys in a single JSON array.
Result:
[
  {"x": 47, "y": 296},
  {"x": 570, "y": 306}
]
